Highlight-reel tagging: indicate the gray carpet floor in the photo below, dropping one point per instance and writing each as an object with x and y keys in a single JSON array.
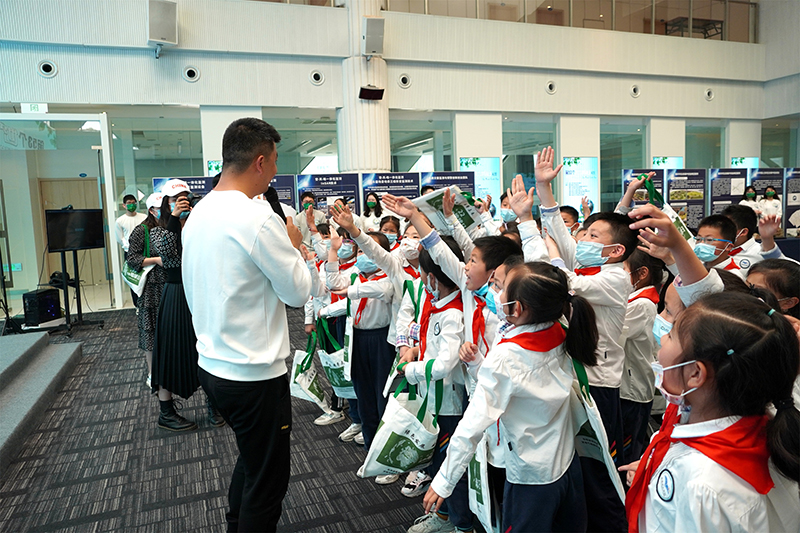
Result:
[{"x": 96, "y": 460}]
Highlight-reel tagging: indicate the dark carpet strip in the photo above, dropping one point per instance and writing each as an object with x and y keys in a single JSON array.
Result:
[{"x": 97, "y": 462}]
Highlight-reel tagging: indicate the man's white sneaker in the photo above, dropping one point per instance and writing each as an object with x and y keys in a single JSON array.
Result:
[
  {"x": 330, "y": 417},
  {"x": 386, "y": 480},
  {"x": 359, "y": 439},
  {"x": 416, "y": 485},
  {"x": 431, "y": 523},
  {"x": 349, "y": 434}
]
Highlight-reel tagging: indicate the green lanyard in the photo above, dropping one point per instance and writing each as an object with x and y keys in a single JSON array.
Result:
[
  {"x": 146, "y": 241},
  {"x": 352, "y": 280},
  {"x": 409, "y": 287}
]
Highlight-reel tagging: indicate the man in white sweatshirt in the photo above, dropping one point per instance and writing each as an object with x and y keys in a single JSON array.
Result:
[{"x": 241, "y": 266}]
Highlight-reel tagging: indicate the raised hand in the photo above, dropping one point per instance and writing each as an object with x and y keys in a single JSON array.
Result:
[
  {"x": 336, "y": 241},
  {"x": 544, "y": 171},
  {"x": 308, "y": 256},
  {"x": 659, "y": 252},
  {"x": 521, "y": 201},
  {"x": 344, "y": 217},
  {"x": 400, "y": 205},
  {"x": 448, "y": 202},
  {"x": 666, "y": 234},
  {"x": 312, "y": 226},
  {"x": 769, "y": 226},
  {"x": 294, "y": 233},
  {"x": 585, "y": 207}
]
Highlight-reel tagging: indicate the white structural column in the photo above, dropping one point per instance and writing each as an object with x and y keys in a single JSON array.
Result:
[
  {"x": 577, "y": 136},
  {"x": 362, "y": 125},
  {"x": 742, "y": 139},
  {"x": 477, "y": 135},
  {"x": 214, "y": 120},
  {"x": 666, "y": 137}
]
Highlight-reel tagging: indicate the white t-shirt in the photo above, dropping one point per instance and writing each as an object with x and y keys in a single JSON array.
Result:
[
  {"x": 239, "y": 271},
  {"x": 124, "y": 226}
]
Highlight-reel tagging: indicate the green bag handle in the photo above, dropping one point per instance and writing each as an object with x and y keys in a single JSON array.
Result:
[
  {"x": 311, "y": 344},
  {"x": 655, "y": 196},
  {"x": 583, "y": 379},
  {"x": 439, "y": 392},
  {"x": 146, "y": 241},
  {"x": 412, "y": 389},
  {"x": 352, "y": 280},
  {"x": 408, "y": 285},
  {"x": 323, "y": 324}
]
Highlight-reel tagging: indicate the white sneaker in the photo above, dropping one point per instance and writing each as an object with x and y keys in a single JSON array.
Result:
[
  {"x": 386, "y": 480},
  {"x": 360, "y": 472},
  {"x": 330, "y": 417},
  {"x": 349, "y": 434},
  {"x": 359, "y": 439},
  {"x": 431, "y": 523},
  {"x": 416, "y": 485},
  {"x": 148, "y": 380}
]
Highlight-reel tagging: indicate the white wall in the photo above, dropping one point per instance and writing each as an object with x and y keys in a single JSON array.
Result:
[
  {"x": 19, "y": 214},
  {"x": 665, "y": 138},
  {"x": 213, "y": 123},
  {"x": 742, "y": 139},
  {"x": 477, "y": 135}
]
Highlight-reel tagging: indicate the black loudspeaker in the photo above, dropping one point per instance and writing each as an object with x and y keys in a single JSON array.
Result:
[
  {"x": 41, "y": 306},
  {"x": 370, "y": 92}
]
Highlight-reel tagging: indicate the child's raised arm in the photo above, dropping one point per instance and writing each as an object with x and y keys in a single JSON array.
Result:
[{"x": 624, "y": 205}]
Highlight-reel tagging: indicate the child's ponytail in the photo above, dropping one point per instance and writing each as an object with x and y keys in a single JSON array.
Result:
[
  {"x": 544, "y": 290},
  {"x": 783, "y": 438},
  {"x": 582, "y": 335}
]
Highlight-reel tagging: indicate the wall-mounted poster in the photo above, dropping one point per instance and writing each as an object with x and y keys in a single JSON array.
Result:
[
  {"x": 330, "y": 187},
  {"x": 761, "y": 178},
  {"x": 791, "y": 206},
  {"x": 580, "y": 178},
  {"x": 642, "y": 197},
  {"x": 395, "y": 183},
  {"x": 438, "y": 180},
  {"x": 214, "y": 167},
  {"x": 744, "y": 162},
  {"x": 727, "y": 187},
  {"x": 488, "y": 181},
  {"x": 284, "y": 185},
  {"x": 686, "y": 194}
]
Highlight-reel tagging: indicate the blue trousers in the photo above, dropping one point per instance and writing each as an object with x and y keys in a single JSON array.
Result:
[
  {"x": 372, "y": 362},
  {"x": 557, "y": 506},
  {"x": 457, "y": 505}
]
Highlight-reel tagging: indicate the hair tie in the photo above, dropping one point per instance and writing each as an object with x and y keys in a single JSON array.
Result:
[
  {"x": 784, "y": 404},
  {"x": 570, "y": 295},
  {"x": 769, "y": 313},
  {"x": 730, "y": 352}
]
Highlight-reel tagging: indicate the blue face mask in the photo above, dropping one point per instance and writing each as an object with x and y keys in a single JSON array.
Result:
[
  {"x": 660, "y": 328},
  {"x": 507, "y": 215},
  {"x": 483, "y": 291},
  {"x": 392, "y": 238},
  {"x": 365, "y": 265},
  {"x": 182, "y": 215},
  {"x": 492, "y": 297},
  {"x": 705, "y": 252},
  {"x": 345, "y": 251},
  {"x": 590, "y": 254}
]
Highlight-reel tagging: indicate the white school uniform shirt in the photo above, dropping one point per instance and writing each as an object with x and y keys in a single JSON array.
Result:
[
  {"x": 638, "y": 379},
  {"x": 533, "y": 245},
  {"x": 454, "y": 269},
  {"x": 770, "y": 207},
  {"x": 378, "y": 292},
  {"x": 444, "y": 337},
  {"x": 300, "y": 222},
  {"x": 530, "y": 393},
  {"x": 608, "y": 293},
  {"x": 406, "y": 315},
  {"x": 752, "y": 204},
  {"x": 689, "y": 491},
  {"x": 748, "y": 254},
  {"x": 393, "y": 266}
]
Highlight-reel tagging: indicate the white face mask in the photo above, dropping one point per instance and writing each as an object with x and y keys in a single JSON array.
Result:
[
  {"x": 674, "y": 399},
  {"x": 409, "y": 248},
  {"x": 322, "y": 248},
  {"x": 501, "y": 313}
]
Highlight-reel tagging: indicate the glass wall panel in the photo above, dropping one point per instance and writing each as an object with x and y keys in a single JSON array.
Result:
[
  {"x": 550, "y": 12},
  {"x": 634, "y": 16},
  {"x": 523, "y": 136},
  {"x": 453, "y": 8},
  {"x": 708, "y": 19},
  {"x": 594, "y": 14},
  {"x": 672, "y": 17},
  {"x": 741, "y": 21},
  {"x": 421, "y": 141},
  {"x": 621, "y": 146},
  {"x": 703, "y": 147},
  {"x": 779, "y": 143},
  {"x": 305, "y": 135}
]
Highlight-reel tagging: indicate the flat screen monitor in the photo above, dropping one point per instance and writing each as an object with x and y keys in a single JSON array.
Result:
[{"x": 74, "y": 229}]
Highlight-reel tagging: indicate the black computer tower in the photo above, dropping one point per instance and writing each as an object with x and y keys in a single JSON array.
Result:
[{"x": 41, "y": 306}]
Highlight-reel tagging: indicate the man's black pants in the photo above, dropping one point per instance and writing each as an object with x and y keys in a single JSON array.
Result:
[{"x": 260, "y": 414}]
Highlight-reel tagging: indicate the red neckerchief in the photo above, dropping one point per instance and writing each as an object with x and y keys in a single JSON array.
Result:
[
  {"x": 731, "y": 266},
  {"x": 650, "y": 293},
  {"x": 395, "y": 246},
  {"x": 479, "y": 323},
  {"x": 319, "y": 263},
  {"x": 428, "y": 309},
  {"x": 735, "y": 251},
  {"x": 411, "y": 271},
  {"x": 741, "y": 448},
  {"x": 345, "y": 266},
  {"x": 587, "y": 271},
  {"x": 539, "y": 341},
  {"x": 363, "y": 303}
]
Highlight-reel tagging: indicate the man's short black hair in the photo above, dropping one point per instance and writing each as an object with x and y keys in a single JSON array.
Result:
[
  {"x": 743, "y": 216},
  {"x": 496, "y": 249},
  {"x": 246, "y": 139},
  {"x": 307, "y": 194},
  {"x": 619, "y": 226},
  {"x": 426, "y": 189},
  {"x": 571, "y": 211},
  {"x": 128, "y": 198},
  {"x": 725, "y": 225}
]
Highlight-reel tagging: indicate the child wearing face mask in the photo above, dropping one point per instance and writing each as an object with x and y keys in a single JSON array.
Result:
[
  {"x": 714, "y": 241},
  {"x": 770, "y": 203},
  {"x": 527, "y": 382},
  {"x": 370, "y": 295},
  {"x": 720, "y": 461},
  {"x": 440, "y": 333},
  {"x": 390, "y": 226},
  {"x": 636, "y": 390}
]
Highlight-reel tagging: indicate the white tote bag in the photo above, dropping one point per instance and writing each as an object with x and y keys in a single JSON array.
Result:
[
  {"x": 407, "y": 434},
  {"x": 136, "y": 279},
  {"x": 305, "y": 381},
  {"x": 480, "y": 500},
  {"x": 333, "y": 365}
]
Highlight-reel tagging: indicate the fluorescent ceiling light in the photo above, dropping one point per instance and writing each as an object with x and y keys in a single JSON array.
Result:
[
  {"x": 90, "y": 125},
  {"x": 403, "y": 146},
  {"x": 135, "y": 147},
  {"x": 320, "y": 147},
  {"x": 299, "y": 145}
]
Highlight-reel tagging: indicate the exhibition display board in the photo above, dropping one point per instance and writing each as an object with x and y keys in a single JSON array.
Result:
[
  {"x": 200, "y": 186},
  {"x": 727, "y": 187},
  {"x": 580, "y": 178},
  {"x": 464, "y": 180},
  {"x": 641, "y": 197},
  {"x": 686, "y": 193},
  {"x": 286, "y": 187},
  {"x": 488, "y": 181},
  {"x": 396, "y": 183},
  {"x": 791, "y": 202},
  {"x": 329, "y": 187}
]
